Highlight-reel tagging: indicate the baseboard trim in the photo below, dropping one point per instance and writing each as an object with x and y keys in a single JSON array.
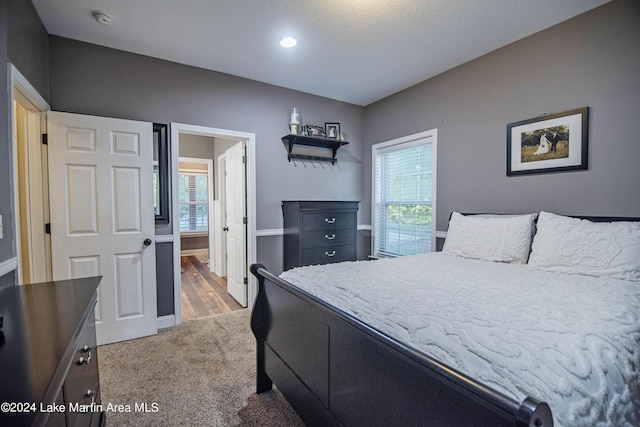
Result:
[
  {"x": 188, "y": 252},
  {"x": 168, "y": 321}
]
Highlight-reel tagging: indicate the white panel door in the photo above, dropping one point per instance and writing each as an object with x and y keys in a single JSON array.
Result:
[
  {"x": 102, "y": 218},
  {"x": 235, "y": 180}
]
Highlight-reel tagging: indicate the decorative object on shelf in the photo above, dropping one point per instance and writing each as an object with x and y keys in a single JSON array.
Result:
[
  {"x": 313, "y": 130},
  {"x": 331, "y": 146},
  {"x": 295, "y": 121},
  {"x": 549, "y": 143},
  {"x": 332, "y": 130}
]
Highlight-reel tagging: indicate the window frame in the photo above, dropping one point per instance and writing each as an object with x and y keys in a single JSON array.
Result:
[
  {"x": 409, "y": 141},
  {"x": 206, "y": 171}
]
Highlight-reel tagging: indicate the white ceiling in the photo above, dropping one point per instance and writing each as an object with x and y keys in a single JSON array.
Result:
[{"x": 356, "y": 51}]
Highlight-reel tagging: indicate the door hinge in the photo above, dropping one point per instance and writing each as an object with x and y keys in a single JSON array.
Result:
[
  {"x": 47, "y": 228},
  {"x": 244, "y": 159},
  {"x": 245, "y": 281},
  {"x": 244, "y": 220},
  {"x": 45, "y": 139}
]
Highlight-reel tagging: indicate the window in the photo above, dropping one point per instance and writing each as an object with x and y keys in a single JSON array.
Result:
[
  {"x": 403, "y": 195},
  {"x": 194, "y": 205}
]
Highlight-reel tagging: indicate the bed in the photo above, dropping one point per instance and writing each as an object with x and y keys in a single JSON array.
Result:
[{"x": 514, "y": 323}]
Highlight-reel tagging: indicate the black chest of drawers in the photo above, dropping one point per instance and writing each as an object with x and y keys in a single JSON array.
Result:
[
  {"x": 319, "y": 232},
  {"x": 48, "y": 358}
]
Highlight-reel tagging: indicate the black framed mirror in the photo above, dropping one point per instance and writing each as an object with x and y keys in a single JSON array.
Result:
[{"x": 161, "y": 173}]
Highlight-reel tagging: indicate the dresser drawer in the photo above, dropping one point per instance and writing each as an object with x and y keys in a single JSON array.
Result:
[
  {"x": 328, "y": 220},
  {"x": 82, "y": 385},
  {"x": 339, "y": 236},
  {"x": 328, "y": 254},
  {"x": 82, "y": 391}
]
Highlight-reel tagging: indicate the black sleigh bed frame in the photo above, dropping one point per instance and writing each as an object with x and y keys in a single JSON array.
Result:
[{"x": 335, "y": 370}]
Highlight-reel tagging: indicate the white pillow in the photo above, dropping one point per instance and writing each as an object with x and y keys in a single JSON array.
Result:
[
  {"x": 577, "y": 246},
  {"x": 491, "y": 238},
  {"x": 533, "y": 218}
]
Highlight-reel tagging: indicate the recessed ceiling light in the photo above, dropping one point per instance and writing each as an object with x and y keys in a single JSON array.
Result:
[
  {"x": 288, "y": 42},
  {"x": 102, "y": 18}
]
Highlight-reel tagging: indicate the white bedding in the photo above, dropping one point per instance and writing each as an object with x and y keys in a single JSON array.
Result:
[{"x": 571, "y": 341}]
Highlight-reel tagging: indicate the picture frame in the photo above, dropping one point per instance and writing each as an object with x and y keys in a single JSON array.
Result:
[
  {"x": 549, "y": 143},
  {"x": 332, "y": 130},
  {"x": 313, "y": 130}
]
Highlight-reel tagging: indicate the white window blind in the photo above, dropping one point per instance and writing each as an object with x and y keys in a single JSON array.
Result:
[
  {"x": 193, "y": 195},
  {"x": 403, "y": 197}
]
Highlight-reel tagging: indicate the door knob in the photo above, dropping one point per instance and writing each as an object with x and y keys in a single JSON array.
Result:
[{"x": 147, "y": 242}]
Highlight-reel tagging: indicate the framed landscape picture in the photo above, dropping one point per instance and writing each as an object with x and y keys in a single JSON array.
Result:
[{"x": 550, "y": 143}]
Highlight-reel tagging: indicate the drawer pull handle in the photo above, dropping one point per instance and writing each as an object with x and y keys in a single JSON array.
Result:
[
  {"x": 330, "y": 221},
  {"x": 332, "y": 253},
  {"x": 333, "y": 236},
  {"x": 92, "y": 394},
  {"x": 84, "y": 360}
]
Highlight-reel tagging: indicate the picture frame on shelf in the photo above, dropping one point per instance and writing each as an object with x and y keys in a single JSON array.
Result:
[
  {"x": 313, "y": 130},
  {"x": 332, "y": 130},
  {"x": 549, "y": 143}
]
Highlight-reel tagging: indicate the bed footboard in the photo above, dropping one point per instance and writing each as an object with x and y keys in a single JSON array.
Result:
[{"x": 336, "y": 370}]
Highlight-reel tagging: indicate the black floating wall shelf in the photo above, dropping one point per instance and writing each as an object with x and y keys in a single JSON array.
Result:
[{"x": 290, "y": 141}]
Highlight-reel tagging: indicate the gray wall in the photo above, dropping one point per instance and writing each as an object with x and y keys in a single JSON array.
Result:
[
  {"x": 142, "y": 88},
  {"x": 164, "y": 270},
  {"x": 592, "y": 60},
  {"x": 90, "y": 79},
  {"x": 24, "y": 43},
  {"x": 28, "y": 44}
]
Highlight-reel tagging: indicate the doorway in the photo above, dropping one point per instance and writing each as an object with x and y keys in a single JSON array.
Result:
[
  {"x": 30, "y": 194},
  {"x": 200, "y": 252},
  {"x": 202, "y": 276}
]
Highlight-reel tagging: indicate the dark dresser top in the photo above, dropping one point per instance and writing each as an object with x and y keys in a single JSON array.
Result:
[
  {"x": 320, "y": 204},
  {"x": 41, "y": 322}
]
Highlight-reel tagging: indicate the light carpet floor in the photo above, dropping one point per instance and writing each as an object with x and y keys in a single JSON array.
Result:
[{"x": 200, "y": 373}]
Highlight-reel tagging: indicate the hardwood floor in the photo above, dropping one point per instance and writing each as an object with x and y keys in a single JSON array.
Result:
[{"x": 203, "y": 293}]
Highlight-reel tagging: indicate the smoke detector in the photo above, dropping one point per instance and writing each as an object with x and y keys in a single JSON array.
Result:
[{"x": 102, "y": 18}]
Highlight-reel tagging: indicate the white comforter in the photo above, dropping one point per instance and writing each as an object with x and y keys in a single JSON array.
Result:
[{"x": 571, "y": 341}]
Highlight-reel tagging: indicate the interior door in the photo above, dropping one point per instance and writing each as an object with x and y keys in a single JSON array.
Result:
[
  {"x": 236, "y": 208},
  {"x": 102, "y": 218}
]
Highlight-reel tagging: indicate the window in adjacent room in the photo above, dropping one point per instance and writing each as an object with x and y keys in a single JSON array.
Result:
[
  {"x": 194, "y": 204},
  {"x": 404, "y": 188}
]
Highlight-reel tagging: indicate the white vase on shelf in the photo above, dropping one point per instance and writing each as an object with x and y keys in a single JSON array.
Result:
[{"x": 295, "y": 121}]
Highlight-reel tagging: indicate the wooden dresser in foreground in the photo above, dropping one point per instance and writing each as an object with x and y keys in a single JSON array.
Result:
[
  {"x": 48, "y": 358},
  {"x": 319, "y": 232}
]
